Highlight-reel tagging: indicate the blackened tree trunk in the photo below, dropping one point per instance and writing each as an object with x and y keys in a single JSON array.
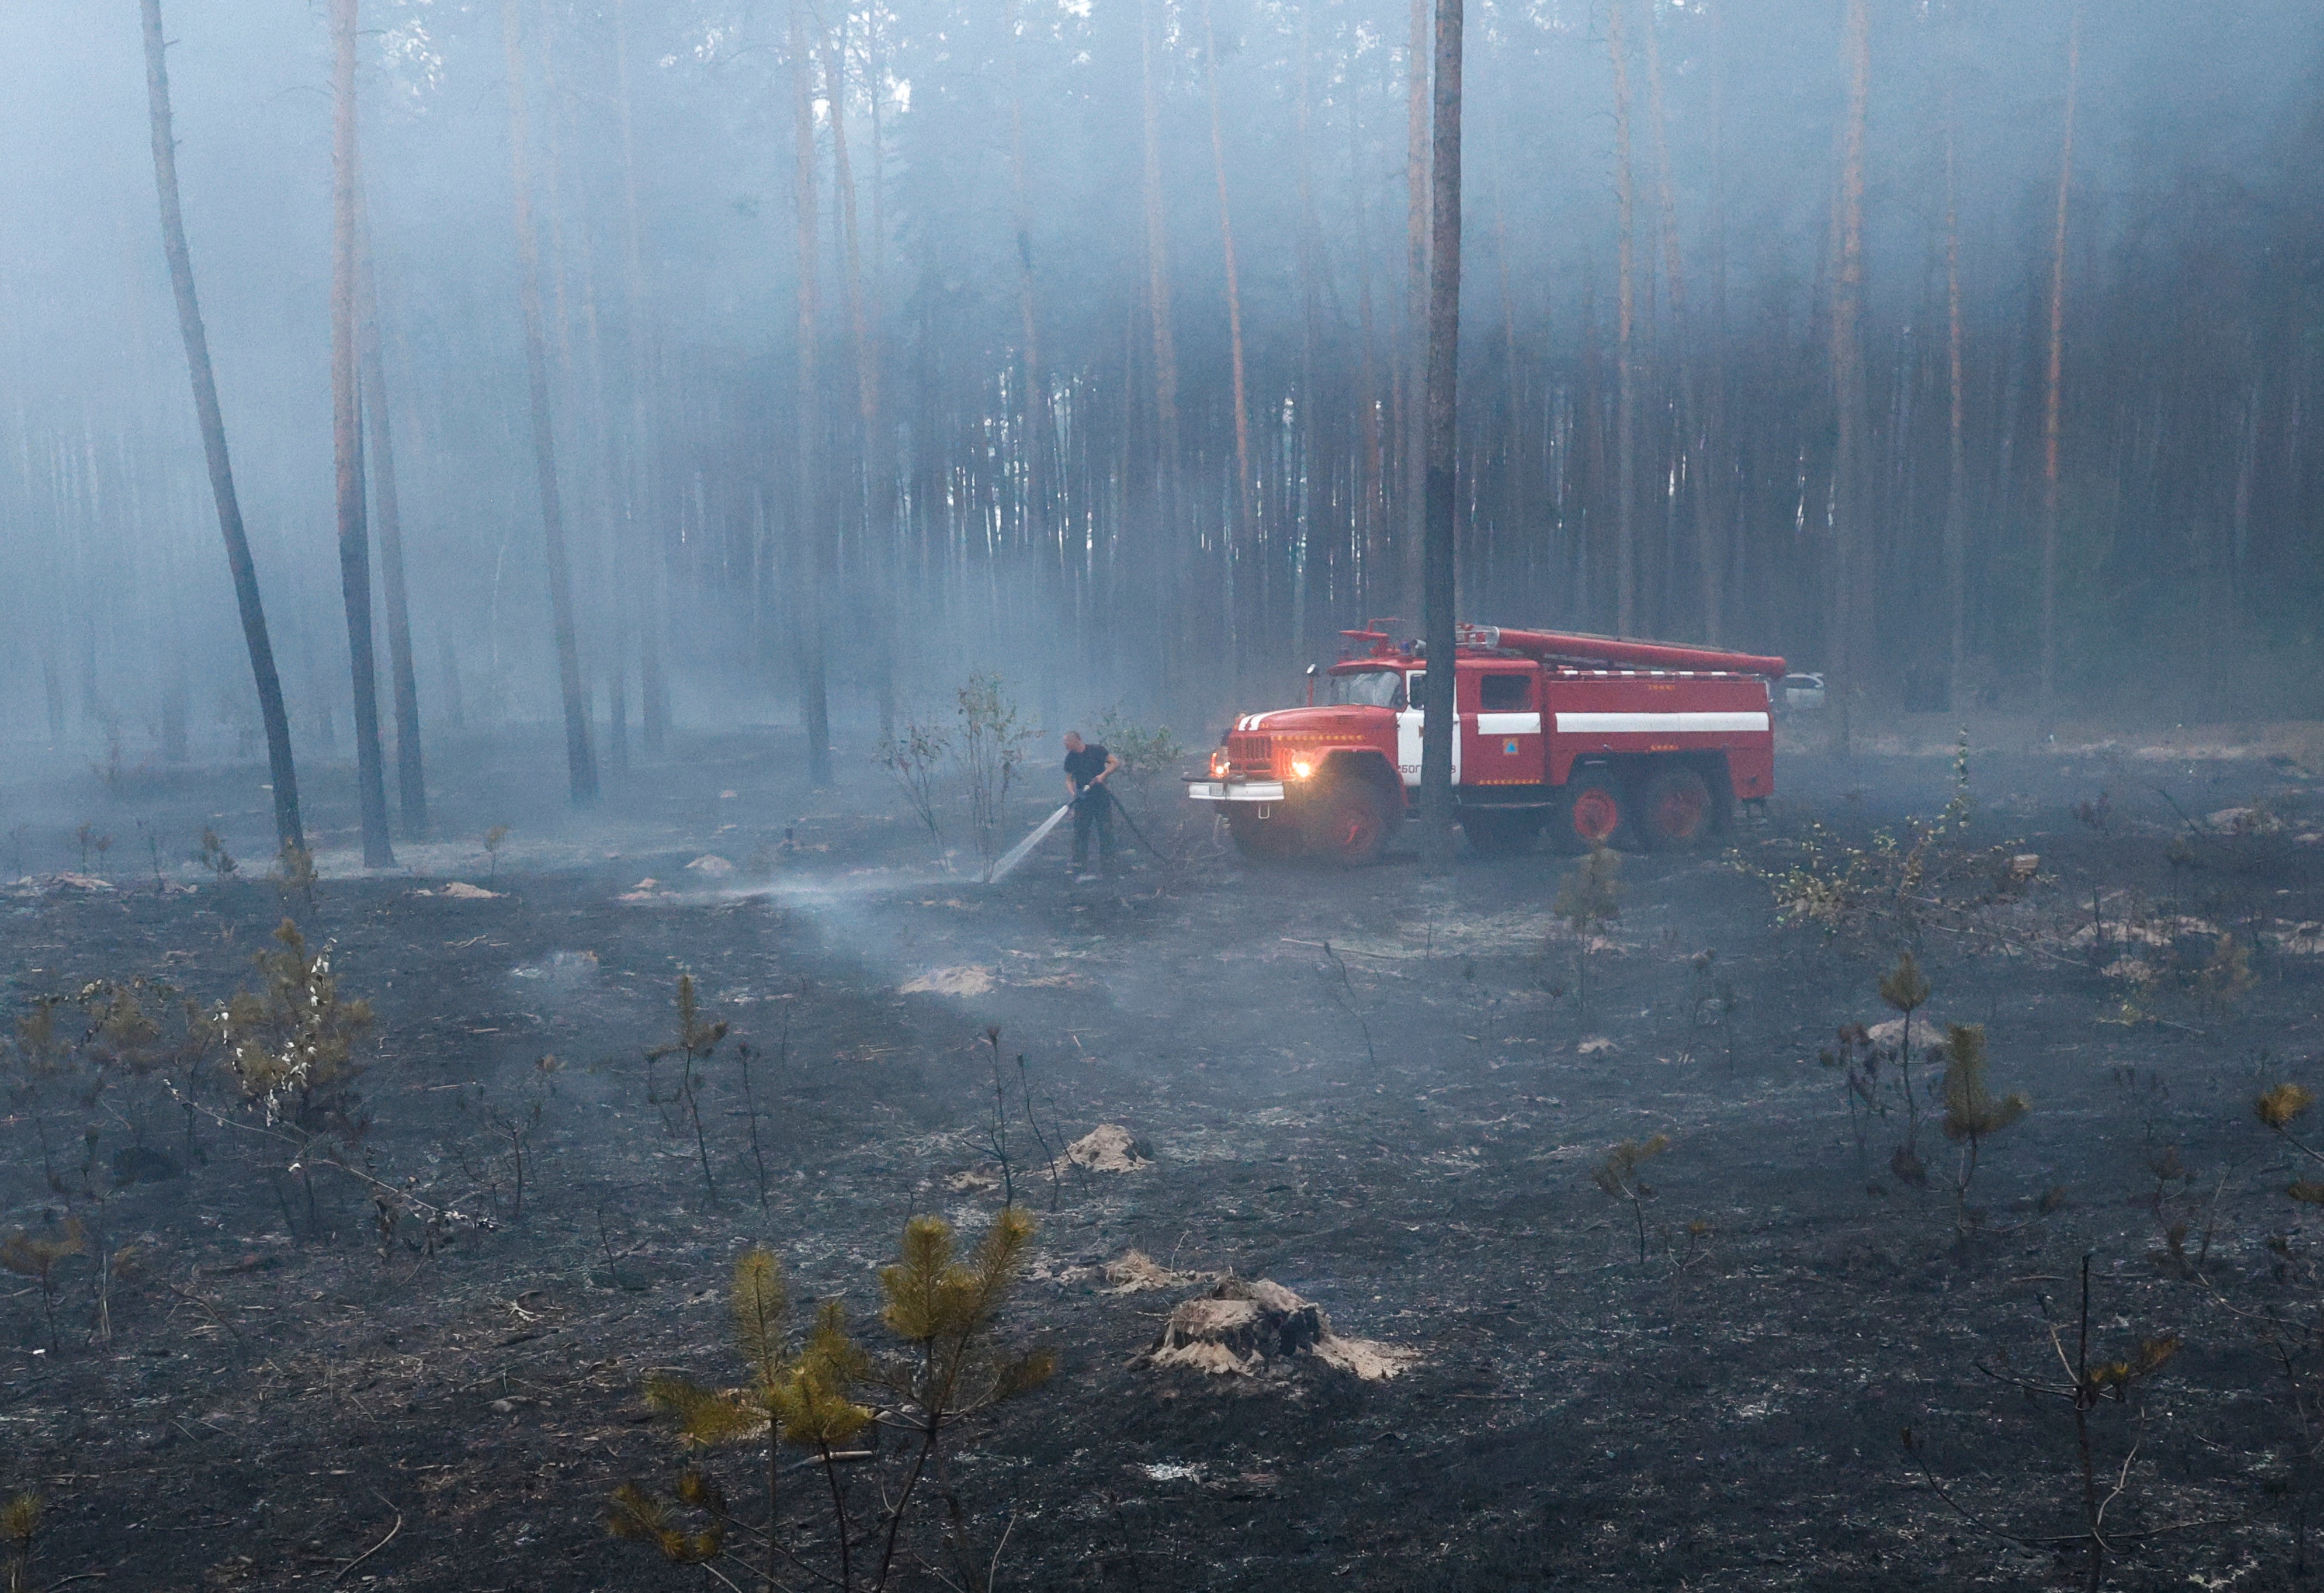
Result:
[
  {"x": 808, "y": 619},
  {"x": 346, "y": 445},
  {"x": 580, "y": 762},
  {"x": 2053, "y": 395},
  {"x": 1439, "y": 586},
  {"x": 410, "y": 780},
  {"x": 287, "y": 828}
]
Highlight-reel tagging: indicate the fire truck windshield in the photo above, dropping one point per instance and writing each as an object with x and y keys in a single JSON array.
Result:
[{"x": 1363, "y": 688}]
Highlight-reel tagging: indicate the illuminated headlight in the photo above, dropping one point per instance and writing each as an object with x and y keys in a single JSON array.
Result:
[
  {"x": 1218, "y": 765},
  {"x": 1300, "y": 768}
]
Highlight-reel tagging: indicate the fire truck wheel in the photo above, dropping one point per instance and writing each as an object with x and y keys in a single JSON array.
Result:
[
  {"x": 1677, "y": 809},
  {"x": 1596, "y": 812},
  {"x": 1350, "y": 824},
  {"x": 1264, "y": 840},
  {"x": 1500, "y": 835}
]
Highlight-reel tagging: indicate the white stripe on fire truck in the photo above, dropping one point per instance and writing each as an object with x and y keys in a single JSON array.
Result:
[
  {"x": 1509, "y": 723},
  {"x": 1652, "y": 724}
]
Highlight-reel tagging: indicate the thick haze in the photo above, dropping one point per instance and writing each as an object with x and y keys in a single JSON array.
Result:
[{"x": 2192, "y": 502}]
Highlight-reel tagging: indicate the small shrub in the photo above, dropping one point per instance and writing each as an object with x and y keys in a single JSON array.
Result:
[{"x": 913, "y": 757}]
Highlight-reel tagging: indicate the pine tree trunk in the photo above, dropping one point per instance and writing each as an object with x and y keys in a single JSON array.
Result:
[
  {"x": 642, "y": 353},
  {"x": 1413, "y": 518},
  {"x": 347, "y": 446},
  {"x": 1956, "y": 450},
  {"x": 2053, "y": 396},
  {"x": 1034, "y": 398},
  {"x": 807, "y": 596},
  {"x": 580, "y": 762},
  {"x": 1240, "y": 534},
  {"x": 410, "y": 781},
  {"x": 1848, "y": 377},
  {"x": 879, "y": 507},
  {"x": 1443, "y": 369},
  {"x": 1173, "y": 538},
  {"x": 1626, "y": 376},
  {"x": 287, "y": 827},
  {"x": 1698, "y": 447},
  {"x": 1375, "y": 584}
]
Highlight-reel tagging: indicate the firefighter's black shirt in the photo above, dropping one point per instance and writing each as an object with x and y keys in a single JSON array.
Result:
[{"x": 1087, "y": 764}]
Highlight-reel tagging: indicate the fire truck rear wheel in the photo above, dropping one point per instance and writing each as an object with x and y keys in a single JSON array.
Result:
[
  {"x": 1349, "y": 824},
  {"x": 1270, "y": 840},
  {"x": 1596, "y": 811},
  {"x": 1677, "y": 811}
]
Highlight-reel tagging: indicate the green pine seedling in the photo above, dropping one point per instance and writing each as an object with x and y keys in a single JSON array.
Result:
[
  {"x": 1973, "y": 1113},
  {"x": 1589, "y": 898}
]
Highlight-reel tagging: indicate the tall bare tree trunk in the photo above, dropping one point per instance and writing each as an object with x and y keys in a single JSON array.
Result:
[
  {"x": 346, "y": 445},
  {"x": 1956, "y": 450},
  {"x": 282, "y": 771},
  {"x": 1036, "y": 397},
  {"x": 872, "y": 472},
  {"x": 1626, "y": 359},
  {"x": 2054, "y": 398},
  {"x": 808, "y": 617},
  {"x": 1413, "y": 520},
  {"x": 644, "y": 354},
  {"x": 1371, "y": 511},
  {"x": 1701, "y": 446},
  {"x": 1157, "y": 290},
  {"x": 1245, "y": 517},
  {"x": 580, "y": 762},
  {"x": 410, "y": 781},
  {"x": 1441, "y": 587},
  {"x": 1848, "y": 374}
]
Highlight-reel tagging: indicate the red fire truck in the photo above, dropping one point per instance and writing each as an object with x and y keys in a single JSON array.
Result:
[{"x": 1587, "y": 739}]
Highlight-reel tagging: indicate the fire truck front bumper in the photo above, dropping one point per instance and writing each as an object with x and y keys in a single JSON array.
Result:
[{"x": 1234, "y": 790}]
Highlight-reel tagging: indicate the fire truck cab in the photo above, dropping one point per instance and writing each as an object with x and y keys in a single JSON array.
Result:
[{"x": 1587, "y": 739}]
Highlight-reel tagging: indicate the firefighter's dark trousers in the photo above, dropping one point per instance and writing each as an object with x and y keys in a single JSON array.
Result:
[{"x": 1093, "y": 810}]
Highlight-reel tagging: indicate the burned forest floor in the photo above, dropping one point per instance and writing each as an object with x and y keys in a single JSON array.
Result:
[{"x": 411, "y": 1353}]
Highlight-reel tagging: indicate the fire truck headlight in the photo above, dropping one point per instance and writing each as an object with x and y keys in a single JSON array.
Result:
[
  {"x": 1218, "y": 765},
  {"x": 1300, "y": 768}
]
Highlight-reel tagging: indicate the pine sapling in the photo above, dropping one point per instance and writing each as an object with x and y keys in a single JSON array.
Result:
[
  {"x": 947, "y": 1312},
  {"x": 1973, "y": 1113},
  {"x": 1589, "y": 899},
  {"x": 20, "y": 1523},
  {"x": 213, "y": 856},
  {"x": 2088, "y": 1387},
  {"x": 1620, "y": 1176},
  {"x": 2279, "y": 1108},
  {"x": 696, "y": 1040},
  {"x": 35, "y": 1257},
  {"x": 798, "y": 1397},
  {"x": 1906, "y": 990}
]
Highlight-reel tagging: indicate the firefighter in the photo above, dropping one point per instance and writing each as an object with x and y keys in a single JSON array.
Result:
[{"x": 1087, "y": 764}]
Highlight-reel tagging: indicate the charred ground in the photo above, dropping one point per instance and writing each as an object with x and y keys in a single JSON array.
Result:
[{"x": 1374, "y": 1088}]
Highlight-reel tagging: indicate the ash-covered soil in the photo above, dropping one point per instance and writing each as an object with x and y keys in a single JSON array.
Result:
[{"x": 1378, "y": 1089}]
